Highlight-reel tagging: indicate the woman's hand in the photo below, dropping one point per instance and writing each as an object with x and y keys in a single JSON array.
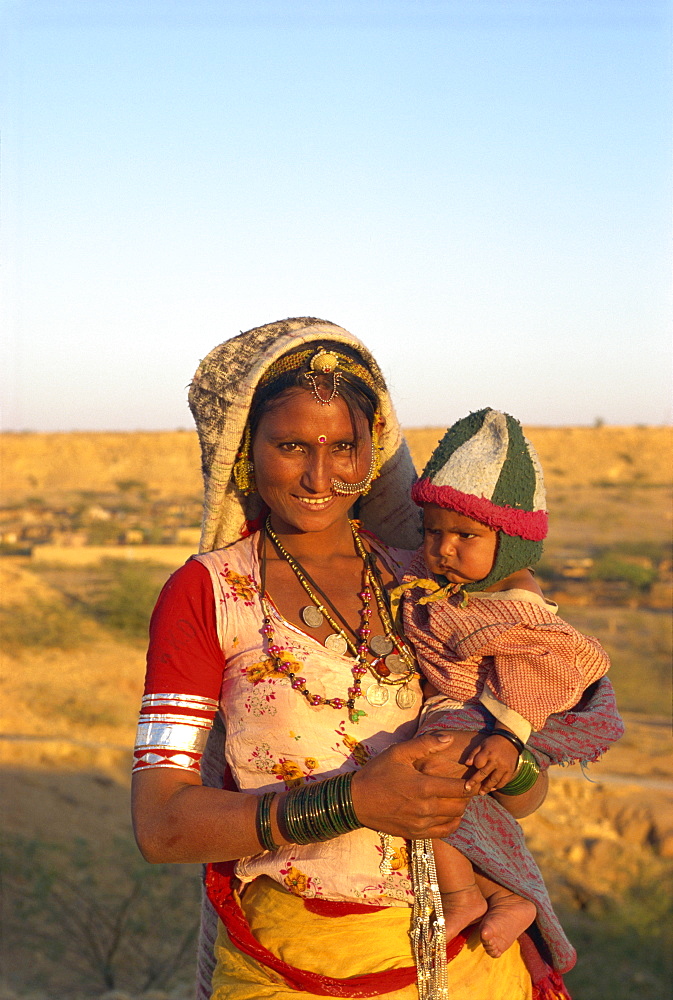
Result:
[{"x": 414, "y": 790}]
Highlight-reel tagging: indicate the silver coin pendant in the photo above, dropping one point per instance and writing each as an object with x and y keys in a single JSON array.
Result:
[
  {"x": 396, "y": 664},
  {"x": 336, "y": 643},
  {"x": 380, "y": 645},
  {"x": 311, "y": 616},
  {"x": 405, "y": 698},
  {"x": 377, "y": 695}
]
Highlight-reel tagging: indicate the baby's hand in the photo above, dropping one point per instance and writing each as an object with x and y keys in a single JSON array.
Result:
[{"x": 495, "y": 761}]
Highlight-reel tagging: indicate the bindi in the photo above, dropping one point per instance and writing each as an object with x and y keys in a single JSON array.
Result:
[{"x": 322, "y": 439}]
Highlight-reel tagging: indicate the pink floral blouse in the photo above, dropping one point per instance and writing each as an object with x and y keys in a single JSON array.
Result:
[{"x": 274, "y": 738}]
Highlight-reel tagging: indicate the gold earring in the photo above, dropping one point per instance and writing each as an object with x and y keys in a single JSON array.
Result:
[{"x": 244, "y": 470}]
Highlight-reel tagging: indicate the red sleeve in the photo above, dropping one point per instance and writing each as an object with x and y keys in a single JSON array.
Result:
[
  {"x": 184, "y": 674},
  {"x": 184, "y": 653}
]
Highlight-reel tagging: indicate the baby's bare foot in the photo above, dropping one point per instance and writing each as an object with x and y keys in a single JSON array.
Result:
[
  {"x": 508, "y": 916},
  {"x": 461, "y": 908}
]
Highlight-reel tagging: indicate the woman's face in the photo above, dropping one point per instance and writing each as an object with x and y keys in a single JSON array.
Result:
[{"x": 299, "y": 447}]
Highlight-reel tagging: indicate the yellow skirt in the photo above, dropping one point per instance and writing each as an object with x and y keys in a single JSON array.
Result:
[{"x": 348, "y": 946}]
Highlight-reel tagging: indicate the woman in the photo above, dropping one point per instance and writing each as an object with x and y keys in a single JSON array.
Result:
[{"x": 281, "y": 625}]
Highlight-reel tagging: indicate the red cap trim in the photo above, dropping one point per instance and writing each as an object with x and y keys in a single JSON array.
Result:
[{"x": 530, "y": 524}]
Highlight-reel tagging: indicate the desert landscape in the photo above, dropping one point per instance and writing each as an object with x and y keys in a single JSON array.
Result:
[{"x": 91, "y": 525}]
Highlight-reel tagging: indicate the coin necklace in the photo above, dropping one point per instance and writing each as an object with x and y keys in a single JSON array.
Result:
[
  {"x": 359, "y": 651},
  {"x": 400, "y": 662},
  {"x": 386, "y": 662},
  {"x": 381, "y": 646},
  {"x": 314, "y": 616},
  {"x": 338, "y": 641},
  {"x": 359, "y": 668}
]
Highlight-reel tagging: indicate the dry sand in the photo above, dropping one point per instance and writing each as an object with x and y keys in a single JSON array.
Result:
[{"x": 168, "y": 461}]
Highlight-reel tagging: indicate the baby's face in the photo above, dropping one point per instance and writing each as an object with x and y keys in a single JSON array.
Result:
[{"x": 457, "y": 547}]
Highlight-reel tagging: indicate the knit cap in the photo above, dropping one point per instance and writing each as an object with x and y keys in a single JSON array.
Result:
[{"x": 485, "y": 468}]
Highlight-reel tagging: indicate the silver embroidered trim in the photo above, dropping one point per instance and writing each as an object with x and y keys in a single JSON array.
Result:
[
  {"x": 178, "y": 720},
  {"x": 182, "y": 737},
  {"x": 173, "y": 760},
  {"x": 179, "y": 700}
]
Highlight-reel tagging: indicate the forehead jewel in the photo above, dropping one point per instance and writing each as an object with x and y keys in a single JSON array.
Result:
[{"x": 322, "y": 362}]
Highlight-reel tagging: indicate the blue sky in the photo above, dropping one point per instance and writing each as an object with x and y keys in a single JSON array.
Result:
[{"x": 480, "y": 190}]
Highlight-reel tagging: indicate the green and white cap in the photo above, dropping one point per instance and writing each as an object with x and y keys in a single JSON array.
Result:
[{"x": 485, "y": 468}]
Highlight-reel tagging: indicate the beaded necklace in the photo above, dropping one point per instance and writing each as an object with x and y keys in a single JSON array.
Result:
[{"x": 377, "y": 694}]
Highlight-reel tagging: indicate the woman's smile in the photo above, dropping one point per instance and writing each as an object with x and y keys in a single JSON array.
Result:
[{"x": 316, "y": 501}]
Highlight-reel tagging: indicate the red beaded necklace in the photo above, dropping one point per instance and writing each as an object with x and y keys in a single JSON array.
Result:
[{"x": 359, "y": 648}]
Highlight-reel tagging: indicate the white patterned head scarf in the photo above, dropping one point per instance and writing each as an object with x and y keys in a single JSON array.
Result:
[{"x": 220, "y": 397}]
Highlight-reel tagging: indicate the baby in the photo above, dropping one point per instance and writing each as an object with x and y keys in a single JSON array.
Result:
[{"x": 484, "y": 633}]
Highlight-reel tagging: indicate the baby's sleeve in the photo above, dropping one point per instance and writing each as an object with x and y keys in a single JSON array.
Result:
[
  {"x": 184, "y": 674},
  {"x": 539, "y": 669}
]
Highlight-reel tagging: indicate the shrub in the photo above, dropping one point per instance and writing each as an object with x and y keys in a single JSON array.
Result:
[
  {"x": 41, "y": 624},
  {"x": 127, "y": 604},
  {"x": 610, "y": 566},
  {"x": 102, "y": 532},
  {"x": 638, "y": 642},
  {"x": 127, "y": 485},
  {"x": 105, "y": 919},
  {"x": 627, "y": 951}
]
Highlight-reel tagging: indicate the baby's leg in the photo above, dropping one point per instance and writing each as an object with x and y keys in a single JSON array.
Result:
[
  {"x": 462, "y": 901},
  {"x": 508, "y": 916}
]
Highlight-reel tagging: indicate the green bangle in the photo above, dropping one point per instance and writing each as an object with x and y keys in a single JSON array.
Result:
[
  {"x": 524, "y": 777},
  {"x": 263, "y": 822},
  {"x": 319, "y": 811}
]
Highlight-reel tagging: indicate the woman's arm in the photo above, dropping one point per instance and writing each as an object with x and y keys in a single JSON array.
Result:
[
  {"x": 522, "y": 805},
  {"x": 176, "y": 819}
]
